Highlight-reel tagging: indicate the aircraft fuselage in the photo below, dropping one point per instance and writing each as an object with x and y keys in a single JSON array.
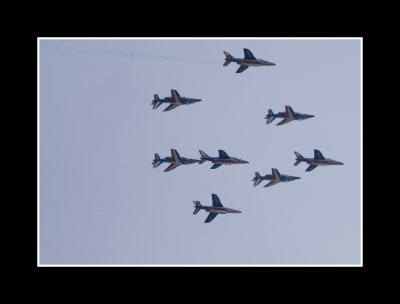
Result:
[
  {"x": 220, "y": 210},
  {"x": 185, "y": 100}
]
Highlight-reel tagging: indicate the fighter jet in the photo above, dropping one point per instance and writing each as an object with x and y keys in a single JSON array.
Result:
[
  {"x": 175, "y": 160},
  {"x": 248, "y": 60},
  {"x": 214, "y": 209},
  {"x": 275, "y": 178},
  {"x": 318, "y": 160},
  {"x": 287, "y": 116},
  {"x": 222, "y": 159},
  {"x": 174, "y": 101}
]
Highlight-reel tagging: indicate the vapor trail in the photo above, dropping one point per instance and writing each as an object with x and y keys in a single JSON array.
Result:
[{"x": 145, "y": 56}]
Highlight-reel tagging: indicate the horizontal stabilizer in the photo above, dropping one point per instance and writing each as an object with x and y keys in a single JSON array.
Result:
[
  {"x": 270, "y": 117},
  {"x": 156, "y": 102},
  {"x": 197, "y": 206},
  {"x": 257, "y": 179},
  {"x": 157, "y": 161}
]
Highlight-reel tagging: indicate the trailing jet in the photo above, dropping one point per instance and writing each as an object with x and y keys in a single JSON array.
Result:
[
  {"x": 248, "y": 60},
  {"x": 214, "y": 209},
  {"x": 275, "y": 178},
  {"x": 222, "y": 159},
  {"x": 174, "y": 101},
  {"x": 318, "y": 160},
  {"x": 287, "y": 116},
  {"x": 175, "y": 160}
]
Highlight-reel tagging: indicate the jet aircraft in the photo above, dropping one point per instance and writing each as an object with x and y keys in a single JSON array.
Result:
[
  {"x": 175, "y": 160},
  {"x": 222, "y": 159},
  {"x": 275, "y": 178},
  {"x": 173, "y": 101},
  {"x": 216, "y": 208},
  {"x": 287, "y": 116},
  {"x": 318, "y": 160},
  {"x": 248, "y": 60}
]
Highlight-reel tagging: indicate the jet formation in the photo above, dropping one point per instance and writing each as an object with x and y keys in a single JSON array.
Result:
[
  {"x": 318, "y": 160},
  {"x": 222, "y": 159},
  {"x": 274, "y": 178},
  {"x": 248, "y": 60},
  {"x": 215, "y": 209},
  {"x": 174, "y": 101},
  {"x": 175, "y": 160},
  {"x": 287, "y": 116}
]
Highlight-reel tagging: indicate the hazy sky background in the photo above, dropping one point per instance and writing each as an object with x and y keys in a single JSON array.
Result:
[{"x": 101, "y": 202}]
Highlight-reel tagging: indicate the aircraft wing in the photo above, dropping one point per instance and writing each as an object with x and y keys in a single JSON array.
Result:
[
  {"x": 223, "y": 154},
  {"x": 175, "y": 156},
  {"x": 248, "y": 54},
  {"x": 276, "y": 175},
  {"x": 216, "y": 201},
  {"x": 311, "y": 167},
  {"x": 285, "y": 121},
  {"x": 215, "y": 166},
  {"x": 210, "y": 217},
  {"x": 171, "y": 106},
  {"x": 318, "y": 154},
  {"x": 271, "y": 183},
  {"x": 289, "y": 112},
  {"x": 176, "y": 97},
  {"x": 172, "y": 167},
  {"x": 242, "y": 68}
]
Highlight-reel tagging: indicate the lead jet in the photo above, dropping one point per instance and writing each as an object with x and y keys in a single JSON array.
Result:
[
  {"x": 248, "y": 60},
  {"x": 287, "y": 116},
  {"x": 174, "y": 101},
  {"x": 318, "y": 160},
  {"x": 274, "y": 178},
  {"x": 216, "y": 208},
  {"x": 175, "y": 160},
  {"x": 222, "y": 159}
]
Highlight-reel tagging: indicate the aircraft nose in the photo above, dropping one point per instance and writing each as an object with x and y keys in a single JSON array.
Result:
[
  {"x": 339, "y": 163},
  {"x": 245, "y": 161},
  {"x": 311, "y": 116}
]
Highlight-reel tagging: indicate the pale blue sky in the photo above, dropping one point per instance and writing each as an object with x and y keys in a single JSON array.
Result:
[{"x": 101, "y": 202}]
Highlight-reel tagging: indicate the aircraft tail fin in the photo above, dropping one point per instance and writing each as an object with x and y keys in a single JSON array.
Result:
[
  {"x": 197, "y": 206},
  {"x": 270, "y": 116},
  {"x": 203, "y": 157},
  {"x": 156, "y": 102},
  {"x": 257, "y": 179},
  {"x": 299, "y": 158},
  {"x": 228, "y": 58},
  {"x": 157, "y": 161}
]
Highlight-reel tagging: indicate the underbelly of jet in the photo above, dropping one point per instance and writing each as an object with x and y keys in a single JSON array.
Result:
[
  {"x": 217, "y": 211},
  {"x": 225, "y": 162},
  {"x": 323, "y": 163},
  {"x": 250, "y": 64}
]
